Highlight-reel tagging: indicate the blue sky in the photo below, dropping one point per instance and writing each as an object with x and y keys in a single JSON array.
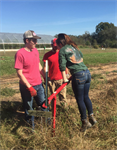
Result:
[{"x": 52, "y": 17}]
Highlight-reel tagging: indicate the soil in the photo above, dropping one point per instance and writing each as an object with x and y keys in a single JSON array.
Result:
[{"x": 109, "y": 72}]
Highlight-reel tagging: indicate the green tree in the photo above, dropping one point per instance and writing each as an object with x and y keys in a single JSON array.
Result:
[
  {"x": 105, "y": 34},
  {"x": 103, "y": 26}
]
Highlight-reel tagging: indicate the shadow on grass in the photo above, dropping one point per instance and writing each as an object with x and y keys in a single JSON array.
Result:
[{"x": 12, "y": 112}]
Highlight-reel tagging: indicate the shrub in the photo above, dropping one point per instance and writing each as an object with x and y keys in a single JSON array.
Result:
[
  {"x": 43, "y": 45},
  {"x": 18, "y": 46},
  {"x": 87, "y": 43},
  {"x": 95, "y": 46},
  {"x": 80, "y": 46},
  {"x": 1, "y": 46}
]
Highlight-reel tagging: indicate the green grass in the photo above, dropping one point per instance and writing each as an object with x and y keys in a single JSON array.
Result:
[
  {"x": 7, "y": 92},
  {"x": 97, "y": 76},
  {"x": 7, "y": 65},
  {"x": 93, "y": 58},
  {"x": 114, "y": 71},
  {"x": 100, "y": 58},
  {"x": 16, "y": 135},
  {"x": 96, "y": 82},
  {"x": 7, "y": 62},
  {"x": 69, "y": 90}
]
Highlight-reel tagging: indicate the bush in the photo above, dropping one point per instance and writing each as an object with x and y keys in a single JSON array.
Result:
[
  {"x": 80, "y": 46},
  {"x": 43, "y": 45},
  {"x": 1, "y": 46},
  {"x": 18, "y": 46},
  {"x": 95, "y": 46},
  {"x": 87, "y": 43}
]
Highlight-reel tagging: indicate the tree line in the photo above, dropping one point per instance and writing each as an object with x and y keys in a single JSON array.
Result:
[
  {"x": 104, "y": 36},
  {"x": 18, "y": 46}
]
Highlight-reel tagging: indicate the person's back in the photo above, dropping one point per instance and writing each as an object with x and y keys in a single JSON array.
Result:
[{"x": 71, "y": 57}]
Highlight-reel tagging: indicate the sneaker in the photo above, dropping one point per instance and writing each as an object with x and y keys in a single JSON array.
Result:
[
  {"x": 92, "y": 120},
  {"x": 85, "y": 125}
]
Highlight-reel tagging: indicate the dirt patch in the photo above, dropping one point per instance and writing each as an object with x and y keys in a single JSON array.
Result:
[{"x": 108, "y": 71}]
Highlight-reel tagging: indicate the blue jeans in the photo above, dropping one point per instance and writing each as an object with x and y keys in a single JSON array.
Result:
[
  {"x": 28, "y": 100},
  {"x": 81, "y": 84}
]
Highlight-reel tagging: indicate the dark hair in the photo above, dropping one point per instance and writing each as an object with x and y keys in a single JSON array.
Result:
[
  {"x": 25, "y": 40},
  {"x": 64, "y": 39}
]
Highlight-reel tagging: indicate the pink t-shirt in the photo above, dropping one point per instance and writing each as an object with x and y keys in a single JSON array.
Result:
[
  {"x": 28, "y": 62},
  {"x": 54, "y": 71}
]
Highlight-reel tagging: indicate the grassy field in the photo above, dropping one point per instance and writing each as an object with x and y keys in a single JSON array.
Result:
[
  {"x": 16, "y": 135},
  {"x": 91, "y": 58},
  {"x": 97, "y": 57}
]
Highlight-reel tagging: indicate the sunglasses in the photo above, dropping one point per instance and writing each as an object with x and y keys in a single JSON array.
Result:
[{"x": 34, "y": 40}]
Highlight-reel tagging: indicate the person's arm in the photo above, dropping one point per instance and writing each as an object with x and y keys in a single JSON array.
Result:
[
  {"x": 62, "y": 65},
  {"x": 81, "y": 56},
  {"x": 44, "y": 64},
  {"x": 62, "y": 60},
  {"x": 64, "y": 76},
  {"x": 66, "y": 71},
  {"x": 22, "y": 78},
  {"x": 33, "y": 92},
  {"x": 44, "y": 67},
  {"x": 42, "y": 72}
]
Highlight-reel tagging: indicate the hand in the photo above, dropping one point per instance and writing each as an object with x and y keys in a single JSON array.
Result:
[
  {"x": 33, "y": 92},
  {"x": 49, "y": 81},
  {"x": 66, "y": 80},
  {"x": 67, "y": 75},
  {"x": 44, "y": 106}
]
